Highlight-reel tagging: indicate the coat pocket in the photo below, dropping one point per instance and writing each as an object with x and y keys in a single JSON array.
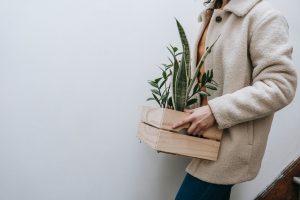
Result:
[{"x": 250, "y": 132}]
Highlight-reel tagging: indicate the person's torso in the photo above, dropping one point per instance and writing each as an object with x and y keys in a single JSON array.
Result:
[{"x": 230, "y": 59}]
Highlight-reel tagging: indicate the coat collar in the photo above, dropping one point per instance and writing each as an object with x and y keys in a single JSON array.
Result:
[{"x": 237, "y": 7}]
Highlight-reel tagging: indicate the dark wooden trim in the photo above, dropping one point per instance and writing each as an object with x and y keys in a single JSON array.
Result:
[{"x": 283, "y": 188}]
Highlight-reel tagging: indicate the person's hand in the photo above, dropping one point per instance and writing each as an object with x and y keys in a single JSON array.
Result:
[{"x": 200, "y": 118}]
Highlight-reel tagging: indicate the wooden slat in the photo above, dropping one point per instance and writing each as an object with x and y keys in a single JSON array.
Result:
[
  {"x": 148, "y": 134},
  {"x": 164, "y": 118},
  {"x": 176, "y": 143},
  {"x": 188, "y": 145},
  {"x": 213, "y": 133}
]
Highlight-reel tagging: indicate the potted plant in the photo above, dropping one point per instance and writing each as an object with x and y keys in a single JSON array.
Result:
[{"x": 175, "y": 90}]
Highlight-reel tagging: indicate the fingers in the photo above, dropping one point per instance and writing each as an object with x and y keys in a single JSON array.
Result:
[
  {"x": 199, "y": 131},
  {"x": 192, "y": 128},
  {"x": 196, "y": 129},
  {"x": 185, "y": 121}
]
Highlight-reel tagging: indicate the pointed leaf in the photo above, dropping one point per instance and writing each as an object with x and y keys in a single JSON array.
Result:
[
  {"x": 191, "y": 102},
  {"x": 178, "y": 54},
  {"x": 175, "y": 49},
  {"x": 200, "y": 64},
  {"x": 164, "y": 74},
  {"x": 155, "y": 91},
  {"x": 170, "y": 102},
  {"x": 204, "y": 94},
  {"x": 203, "y": 81},
  {"x": 174, "y": 75},
  {"x": 165, "y": 65},
  {"x": 185, "y": 46},
  {"x": 196, "y": 89},
  {"x": 162, "y": 83},
  {"x": 164, "y": 98},
  {"x": 161, "y": 69},
  {"x": 214, "y": 83},
  {"x": 153, "y": 83},
  {"x": 207, "y": 75},
  {"x": 150, "y": 98},
  {"x": 181, "y": 85},
  {"x": 211, "y": 75},
  {"x": 172, "y": 53},
  {"x": 155, "y": 97},
  {"x": 157, "y": 80},
  {"x": 211, "y": 87},
  {"x": 170, "y": 61}
]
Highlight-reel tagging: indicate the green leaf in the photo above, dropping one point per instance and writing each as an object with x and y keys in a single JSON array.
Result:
[
  {"x": 200, "y": 64},
  {"x": 155, "y": 91},
  {"x": 172, "y": 53},
  {"x": 178, "y": 54},
  {"x": 181, "y": 85},
  {"x": 191, "y": 102},
  {"x": 174, "y": 75},
  {"x": 164, "y": 74},
  {"x": 155, "y": 97},
  {"x": 214, "y": 82},
  {"x": 175, "y": 49},
  {"x": 167, "y": 66},
  {"x": 164, "y": 98},
  {"x": 170, "y": 102},
  {"x": 153, "y": 83},
  {"x": 196, "y": 89},
  {"x": 150, "y": 98},
  {"x": 207, "y": 75},
  {"x": 211, "y": 87},
  {"x": 204, "y": 94},
  {"x": 157, "y": 80},
  {"x": 162, "y": 83},
  {"x": 170, "y": 61},
  {"x": 186, "y": 49},
  {"x": 203, "y": 80}
]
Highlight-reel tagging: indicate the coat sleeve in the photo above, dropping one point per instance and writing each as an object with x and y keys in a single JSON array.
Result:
[{"x": 274, "y": 78}]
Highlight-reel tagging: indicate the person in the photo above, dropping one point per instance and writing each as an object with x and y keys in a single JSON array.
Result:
[{"x": 252, "y": 64}]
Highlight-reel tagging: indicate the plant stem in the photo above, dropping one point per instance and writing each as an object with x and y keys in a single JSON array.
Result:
[{"x": 200, "y": 64}]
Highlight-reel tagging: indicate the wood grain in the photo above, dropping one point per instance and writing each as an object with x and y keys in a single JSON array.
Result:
[
  {"x": 175, "y": 143},
  {"x": 164, "y": 118},
  {"x": 283, "y": 188}
]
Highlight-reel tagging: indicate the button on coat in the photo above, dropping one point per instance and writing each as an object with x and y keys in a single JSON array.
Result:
[{"x": 218, "y": 19}]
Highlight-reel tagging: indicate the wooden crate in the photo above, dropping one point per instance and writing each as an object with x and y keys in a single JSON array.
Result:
[{"x": 155, "y": 129}]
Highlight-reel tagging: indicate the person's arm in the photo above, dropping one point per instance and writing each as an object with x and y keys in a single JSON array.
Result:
[{"x": 274, "y": 76}]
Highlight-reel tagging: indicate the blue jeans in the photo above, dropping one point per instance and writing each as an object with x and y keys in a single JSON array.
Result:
[{"x": 193, "y": 188}]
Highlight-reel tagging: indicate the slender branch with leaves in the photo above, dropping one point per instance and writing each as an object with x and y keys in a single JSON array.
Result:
[{"x": 176, "y": 87}]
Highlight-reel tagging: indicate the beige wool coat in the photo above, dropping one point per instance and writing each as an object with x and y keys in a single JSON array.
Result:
[{"x": 252, "y": 63}]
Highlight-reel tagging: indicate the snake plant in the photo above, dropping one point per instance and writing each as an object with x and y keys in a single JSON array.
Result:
[{"x": 177, "y": 76}]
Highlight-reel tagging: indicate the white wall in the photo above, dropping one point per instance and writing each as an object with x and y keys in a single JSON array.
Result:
[{"x": 73, "y": 77}]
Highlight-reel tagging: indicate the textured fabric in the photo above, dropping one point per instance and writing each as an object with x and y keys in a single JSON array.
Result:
[
  {"x": 194, "y": 189},
  {"x": 252, "y": 63}
]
